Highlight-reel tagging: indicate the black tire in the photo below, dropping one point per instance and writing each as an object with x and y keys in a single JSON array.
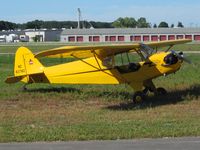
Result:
[
  {"x": 138, "y": 97},
  {"x": 24, "y": 88},
  {"x": 161, "y": 91}
]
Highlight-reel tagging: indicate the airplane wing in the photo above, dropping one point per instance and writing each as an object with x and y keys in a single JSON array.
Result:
[
  {"x": 88, "y": 51},
  {"x": 167, "y": 43},
  {"x": 106, "y": 50}
]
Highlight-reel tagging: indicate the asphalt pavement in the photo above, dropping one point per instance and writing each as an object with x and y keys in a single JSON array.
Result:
[{"x": 189, "y": 143}]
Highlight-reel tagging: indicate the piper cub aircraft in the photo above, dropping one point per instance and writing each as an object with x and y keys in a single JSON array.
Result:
[{"x": 100, "y": 65}]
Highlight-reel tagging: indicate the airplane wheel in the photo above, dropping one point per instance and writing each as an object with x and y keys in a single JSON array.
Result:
[
  {"x": 161, "y": 91},
  {"x": 24, "y": 88},
  {"x": 138, "y": 97}
]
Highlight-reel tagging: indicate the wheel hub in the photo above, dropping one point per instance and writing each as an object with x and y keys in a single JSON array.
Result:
[{"x": 138, "y": 98}]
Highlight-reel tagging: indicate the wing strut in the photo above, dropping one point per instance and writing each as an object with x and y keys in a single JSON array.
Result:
[
  {"x": 95, "y": 56},
  {"x": 169, "y": 48},
  {"x": 103, "y": 70},
  {"x": 84, "y": 62}
]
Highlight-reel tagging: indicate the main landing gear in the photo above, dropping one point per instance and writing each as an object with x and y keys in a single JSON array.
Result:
[{"x": 140, "y": 96}]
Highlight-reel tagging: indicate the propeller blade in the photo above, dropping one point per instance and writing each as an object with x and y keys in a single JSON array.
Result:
[
  {"x": 186, "y": 60},
  {"x": 181, "y": 56}
]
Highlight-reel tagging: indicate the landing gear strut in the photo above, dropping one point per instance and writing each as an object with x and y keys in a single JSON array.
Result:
[{"x": 140, "y": 96}]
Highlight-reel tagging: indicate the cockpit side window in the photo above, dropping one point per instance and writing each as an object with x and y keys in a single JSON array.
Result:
[
  {"x": 126, "y": 58},
  {"x": 127, "y": 62},
  {"x": 108, "y": 62}
]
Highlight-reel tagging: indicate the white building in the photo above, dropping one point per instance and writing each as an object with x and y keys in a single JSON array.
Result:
[
  {"x": 31, "y": 35},
  {"x": 37, "y": 35},
  {"x": 11, "y": 38},
  {"x": 2, "y": 38}
]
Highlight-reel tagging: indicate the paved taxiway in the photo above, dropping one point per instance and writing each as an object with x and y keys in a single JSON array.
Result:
[{"x": 191, "y": 143}]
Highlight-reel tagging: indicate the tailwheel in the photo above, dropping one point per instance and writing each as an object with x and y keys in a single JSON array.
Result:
[
  {"x": 24, "y": 88},
  {"x": 161, "y": 91},
  {"x": 138, "y": 97}
]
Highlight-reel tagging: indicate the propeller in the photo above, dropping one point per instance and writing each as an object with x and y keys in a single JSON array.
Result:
[{"x": 181, "y": 56}]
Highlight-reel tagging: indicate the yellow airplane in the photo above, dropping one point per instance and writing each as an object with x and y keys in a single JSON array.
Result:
[{"x": 100, "y": 65}]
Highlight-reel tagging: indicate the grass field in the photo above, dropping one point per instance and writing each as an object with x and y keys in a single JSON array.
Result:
[
  {"x": 36, "y": 47},
  {"x": 83, "y": 112}
]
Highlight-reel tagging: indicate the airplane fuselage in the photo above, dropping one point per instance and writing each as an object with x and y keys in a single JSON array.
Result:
[{"x": 92, "y": 71}]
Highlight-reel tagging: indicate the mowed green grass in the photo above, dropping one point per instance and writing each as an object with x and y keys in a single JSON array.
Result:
[
  {"x": 36, "y": 47},
  {"x": 88, "y": 112}
]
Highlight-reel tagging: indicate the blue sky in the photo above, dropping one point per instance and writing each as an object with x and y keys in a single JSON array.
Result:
[{"x": 172, "y": 11}]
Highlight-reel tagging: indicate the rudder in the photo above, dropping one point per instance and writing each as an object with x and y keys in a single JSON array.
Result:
[{"x": 26, "y": 63}]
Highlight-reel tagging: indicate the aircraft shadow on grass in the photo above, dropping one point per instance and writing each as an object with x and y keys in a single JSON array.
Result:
[
  {"x": 173, "y": 97},
  {"x": 53, "y": 89},
  {"x": 99, "y": 93}
]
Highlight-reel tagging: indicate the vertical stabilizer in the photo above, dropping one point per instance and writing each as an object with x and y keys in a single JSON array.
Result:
[
  {"x": 26, "y": 66},
  {"x": 26, "y": 63}
]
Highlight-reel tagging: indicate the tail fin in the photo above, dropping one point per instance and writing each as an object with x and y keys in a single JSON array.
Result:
[{"x": 25, "y": 64}]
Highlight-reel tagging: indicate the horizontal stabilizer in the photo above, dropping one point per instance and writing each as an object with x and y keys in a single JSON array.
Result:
[
  {"x": 10, "y": 80},
  {"x": 32, "y": 78}
]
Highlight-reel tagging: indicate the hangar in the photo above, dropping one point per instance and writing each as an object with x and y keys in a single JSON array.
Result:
[
  {"x": 44, "y": 35},
  {"x": 129, "y": 34}
]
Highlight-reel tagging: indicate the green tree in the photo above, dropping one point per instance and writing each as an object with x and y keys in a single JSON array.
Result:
[
  {"x": 37, "y": 24},
  {"x": 180, "y": 25},
  {"x": 172, "y": 25},
  {"x": 5, "y": 25},
  {"x": 155, "y": 26},
  {"x": 125, "y": 23},
  {"x": 100, "y": 24},
  {"x": 163, "y": 25},
  {"x": 142, "y": 23}
]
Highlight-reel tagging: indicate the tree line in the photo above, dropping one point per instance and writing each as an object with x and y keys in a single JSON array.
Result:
[
  {"x": 141, "y": 23},
  {"x": 39, "y": 24},
  {"x": 126, "y": 22}
]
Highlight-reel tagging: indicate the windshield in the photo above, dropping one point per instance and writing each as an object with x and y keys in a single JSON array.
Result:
[{"x": 146, "y": 50}]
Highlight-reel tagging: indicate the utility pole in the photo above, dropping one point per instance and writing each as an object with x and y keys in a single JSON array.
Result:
[{"x": 79, "y": 18}]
